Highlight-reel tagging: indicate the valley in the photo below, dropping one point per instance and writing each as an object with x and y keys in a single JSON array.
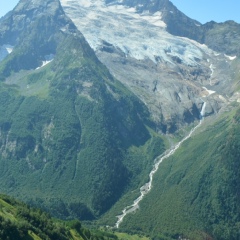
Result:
[
  {"x": 148, "y": 186},
  {"x": 123, "y": 114}
]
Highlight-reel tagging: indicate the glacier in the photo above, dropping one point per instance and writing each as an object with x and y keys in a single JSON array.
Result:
[{"x": 137, "y": 35}]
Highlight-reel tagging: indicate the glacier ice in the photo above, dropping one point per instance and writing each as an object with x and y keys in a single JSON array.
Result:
[{"x": 138, "y": 35}]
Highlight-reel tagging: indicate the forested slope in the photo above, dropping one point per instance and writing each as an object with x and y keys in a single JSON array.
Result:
[
  {"x": 196, "y": 191},
  {"x": 19, "y": 221}
]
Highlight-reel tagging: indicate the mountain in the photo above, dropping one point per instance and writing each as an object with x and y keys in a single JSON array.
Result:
[
  {"x": 169, "y": 73},
  {"x": 174, "y": 64},
  {"x": 92, "y": 93},
  {"x": 73, "y": 138}
]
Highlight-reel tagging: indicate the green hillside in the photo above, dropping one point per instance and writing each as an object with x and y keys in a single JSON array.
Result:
[
  {"x": 18, "y": 221},
  {"x": 196, "y": 191}
]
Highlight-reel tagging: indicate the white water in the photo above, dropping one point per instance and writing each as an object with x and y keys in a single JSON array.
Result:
[
  {"x": 144, "y": 190},
  {"x": 212, "y": 71}
]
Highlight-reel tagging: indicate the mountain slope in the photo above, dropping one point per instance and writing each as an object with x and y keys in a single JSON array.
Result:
[
  {"x": 19, "y": 221},
  {"x": 67, "y": 126},
  {"x": 196, "y": 191},
  {"x": 222, "y": 37}
]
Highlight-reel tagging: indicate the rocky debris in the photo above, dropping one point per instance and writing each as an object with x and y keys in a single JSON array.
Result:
[{"x": 169, "y": 92}]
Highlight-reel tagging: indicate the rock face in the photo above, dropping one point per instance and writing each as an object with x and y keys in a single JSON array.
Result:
[
  {"x": 223, "y": 37},
  {"x": 136, "y": 41}
]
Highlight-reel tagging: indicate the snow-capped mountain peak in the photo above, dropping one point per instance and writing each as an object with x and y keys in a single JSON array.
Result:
[
  {"x": 140, "y": 35},
  {"x": 138, "y": 41}
]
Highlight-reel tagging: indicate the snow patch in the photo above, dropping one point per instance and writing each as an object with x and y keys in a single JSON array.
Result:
[
  {"x": 5, "y": 50},
  {"x": 212, "y": 69},
  {"x": 48, "y": 59},
  {"x": 209, "y": 91},
  {"x": 231, "y": 58}
]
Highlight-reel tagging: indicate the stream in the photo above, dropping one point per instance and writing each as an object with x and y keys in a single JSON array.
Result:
[{"x": 144, "y": 190}]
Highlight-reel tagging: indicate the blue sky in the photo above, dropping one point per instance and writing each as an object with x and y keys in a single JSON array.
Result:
[
  {"x": 7, "y": 5},
  {"x": 207, "y": 10},
  {"x": 201, "y": 10}
]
